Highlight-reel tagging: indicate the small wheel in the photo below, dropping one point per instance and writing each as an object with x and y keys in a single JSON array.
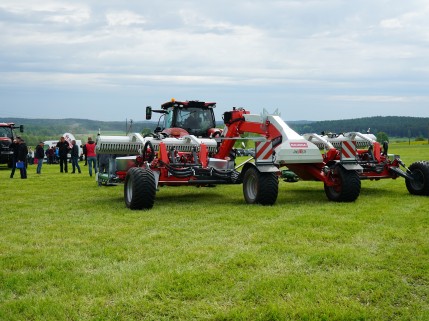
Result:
[
  {"x": 260, "y": 188},
  {"x": 139, "y": 188},
  {"x": 347, "y": 186},
  {"x": 420, "y": 184}
]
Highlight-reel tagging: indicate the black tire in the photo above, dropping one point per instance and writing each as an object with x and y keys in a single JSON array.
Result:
[
  {"x": 347, "y": 188},
  {"x": 139, "y": 189},
  {"x": 260, "y": 188},
  {"x": 420, "y": 184}
]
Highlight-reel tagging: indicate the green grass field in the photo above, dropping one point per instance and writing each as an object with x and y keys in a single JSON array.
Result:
[{"x": 70, "y": 250}]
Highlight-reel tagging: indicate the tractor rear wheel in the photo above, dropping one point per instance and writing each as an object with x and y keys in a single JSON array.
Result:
[
  {"x": 420, "y": 184},
  {"x": 260, "y": 188},
  {"x": 139, "y": 188},
  {"x": 347, "y": 187}
]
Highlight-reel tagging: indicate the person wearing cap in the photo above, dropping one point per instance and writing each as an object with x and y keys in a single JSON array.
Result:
[{"x": 39, "y": 154}]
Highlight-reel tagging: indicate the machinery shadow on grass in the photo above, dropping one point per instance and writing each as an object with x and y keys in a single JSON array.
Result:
[
  {"x": 299, "y": 196},
  {"x": 233, "y": 196},
  {"x": 374, "y": 191},
  {"x": 207, "y": 196},
  {"x": 195, "y": 196}
]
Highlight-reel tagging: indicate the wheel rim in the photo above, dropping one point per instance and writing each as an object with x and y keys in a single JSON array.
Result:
[
  {"x": 251, "y": 187},
  {"x": 337, "y": 187},
  {"x": 129, "y": 190}
]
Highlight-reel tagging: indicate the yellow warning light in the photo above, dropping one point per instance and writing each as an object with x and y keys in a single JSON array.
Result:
[{"x": 173, "y": 100}]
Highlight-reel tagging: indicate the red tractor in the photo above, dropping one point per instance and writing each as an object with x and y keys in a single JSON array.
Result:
[
  {"x": 7, "y": 135},
  {"x": 202, "y": 155},
  {"x": 186, "y": 118}
]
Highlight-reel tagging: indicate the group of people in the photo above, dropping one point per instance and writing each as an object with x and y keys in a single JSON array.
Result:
[{"x": 20, "y": 154}]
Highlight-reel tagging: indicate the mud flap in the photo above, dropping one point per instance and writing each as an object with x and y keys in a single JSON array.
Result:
[
  {"x": 267, "y": 168},
  {"x": 352, "y": 167}
]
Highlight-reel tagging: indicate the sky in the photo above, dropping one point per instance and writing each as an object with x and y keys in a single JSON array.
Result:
[{"x": 309, "y": 59}]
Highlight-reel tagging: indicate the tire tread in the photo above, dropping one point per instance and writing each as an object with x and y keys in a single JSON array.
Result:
[
  {"x": 144, "y": 188},
  {"x": 423, "y": 167},
  {"x": 350, "y": 187}
]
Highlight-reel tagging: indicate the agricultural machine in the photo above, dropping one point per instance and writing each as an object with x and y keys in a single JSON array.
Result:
[
  {"x": 7, "y": 135},
  {"x": 187, "y": 149}
]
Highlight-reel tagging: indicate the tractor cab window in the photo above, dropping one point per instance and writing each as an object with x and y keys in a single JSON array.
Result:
[
  {"x": 186, "y": 118},
  {"x": 5, "y": 132},
  {"x": 195, "y": 120},
  {"x": 168, "y": 119}
]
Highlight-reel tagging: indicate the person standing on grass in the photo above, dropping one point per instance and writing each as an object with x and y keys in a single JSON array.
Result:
[
  {"x": 75, "y": 157},
  {"x": 63, "y": 150},
  {"x": 14, "y": 148},
  {"x": 91, "y": 156},
  {"x": 39, "y": 154},
  {"x": 30, "y": 156},
  {"x": 103, "y": 162},
  {"x": 51, "y": 155},
  {"x": 85, "y": 154},
  {"x": 21, "y": 157}
]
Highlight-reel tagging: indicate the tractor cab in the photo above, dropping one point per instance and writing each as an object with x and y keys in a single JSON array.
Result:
[{"x": 180, "y": 118}]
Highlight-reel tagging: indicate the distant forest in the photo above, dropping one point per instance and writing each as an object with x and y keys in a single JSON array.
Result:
[
  {"x": 36, "y": 130},
  {"x": 393, "y": 126},
  {"x": 48, "y": 129}
]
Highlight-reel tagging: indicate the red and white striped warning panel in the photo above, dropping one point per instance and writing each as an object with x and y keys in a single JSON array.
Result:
[
  {"x": 348, "y": 151},
  {"x": 264, "y": 151}
]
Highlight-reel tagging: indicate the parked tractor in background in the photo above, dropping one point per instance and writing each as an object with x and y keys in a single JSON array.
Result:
[
  {"x": 7, "y": 136},
  {"x": 184, "y": 153}
]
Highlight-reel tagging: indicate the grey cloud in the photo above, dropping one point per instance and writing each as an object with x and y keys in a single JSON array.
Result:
[{"x": 296, "y": 50}]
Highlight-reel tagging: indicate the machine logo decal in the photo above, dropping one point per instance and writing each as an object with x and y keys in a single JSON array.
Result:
[
  {"x": 299, "y": 151},
  {"x": 298, "y": 145}
]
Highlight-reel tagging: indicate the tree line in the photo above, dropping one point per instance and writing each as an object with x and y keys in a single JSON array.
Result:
[
  {"x": 48, "y": 129},
  {"x": 393, "y": 126},
  {"x": 36, "y": 130}
]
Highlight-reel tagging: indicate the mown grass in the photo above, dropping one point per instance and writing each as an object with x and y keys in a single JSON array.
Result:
[{"x": 70, "y": 250}]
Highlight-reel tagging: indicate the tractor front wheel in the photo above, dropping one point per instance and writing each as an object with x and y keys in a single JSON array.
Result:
[
  {"x": 346, "y": 186},
  {"x": 260, "y": 188},
  {"x": 139, "y": 188},
  {"x": 419, "y": 185}
]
